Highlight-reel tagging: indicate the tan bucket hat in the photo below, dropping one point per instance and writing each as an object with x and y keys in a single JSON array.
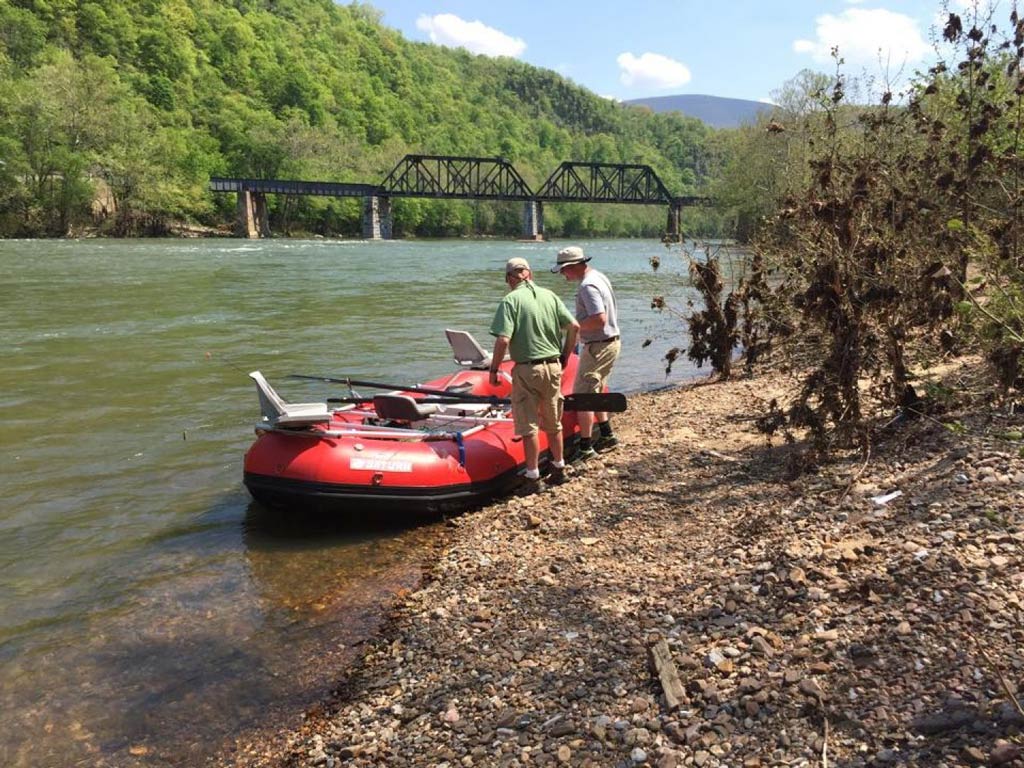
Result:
[{"x": 571, "y": 255}]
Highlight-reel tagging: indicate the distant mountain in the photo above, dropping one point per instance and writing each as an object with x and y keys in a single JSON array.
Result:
[{"x": 716, "y": 111}]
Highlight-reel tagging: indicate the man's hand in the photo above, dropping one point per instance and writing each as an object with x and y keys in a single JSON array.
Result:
[
  {"x": 500, "y": 348},
  {"x": 571, "y": 334}
]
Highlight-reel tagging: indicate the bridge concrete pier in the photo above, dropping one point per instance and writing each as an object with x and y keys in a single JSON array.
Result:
[
  {"x": 252, "y": 220},
  {"x": 533, "y": 220},
  {"x": 673, "y": 228},
  {"x": 377, "y": 221},
  {"x": 245, "y": 216},
  {"x": 262, "y": 217}
]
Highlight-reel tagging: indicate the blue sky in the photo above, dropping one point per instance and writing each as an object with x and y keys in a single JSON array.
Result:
[{"x": 628, "y": 49}]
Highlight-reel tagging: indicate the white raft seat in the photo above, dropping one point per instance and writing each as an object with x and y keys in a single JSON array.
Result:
[
  {"x": 467, "y": 350},
  {"x": 279, "y": 413}
]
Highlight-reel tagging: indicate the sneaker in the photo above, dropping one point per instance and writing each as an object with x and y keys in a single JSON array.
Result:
[
  {"x": 530, "y": 487},
  {"x": 556, "y": 476},
  {"x": 583, "y": 454},
  {"x": 606, "y": 443}
]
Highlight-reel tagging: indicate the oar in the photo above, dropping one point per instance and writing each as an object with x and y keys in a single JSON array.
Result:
[
  {"x": 422, "y": 400},
  {"x": 600, "y": 402},
  {"x": 607, "y": 402},
  {"x": 398, "y": 388}
]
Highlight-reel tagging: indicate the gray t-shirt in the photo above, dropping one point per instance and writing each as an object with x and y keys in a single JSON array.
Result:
[{"x": 593, "y": 297}]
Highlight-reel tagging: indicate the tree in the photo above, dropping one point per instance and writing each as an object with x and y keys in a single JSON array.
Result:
[{"x": 22, "y": 35}]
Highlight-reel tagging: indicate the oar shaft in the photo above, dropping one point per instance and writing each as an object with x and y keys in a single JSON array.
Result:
[
  {"x": 398, "y": 387},
  {"x": 450, "y": 400},
  {"x": 610, "y": 402}
]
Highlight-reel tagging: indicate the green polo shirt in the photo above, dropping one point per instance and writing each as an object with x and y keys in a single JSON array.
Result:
[{"x": 532, "y": 318}]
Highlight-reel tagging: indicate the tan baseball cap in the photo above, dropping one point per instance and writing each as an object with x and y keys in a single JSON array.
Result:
[{"x": 515, "y": 264}]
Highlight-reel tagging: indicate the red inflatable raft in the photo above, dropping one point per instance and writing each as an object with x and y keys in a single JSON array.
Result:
[{"x": 400, "y": 452}]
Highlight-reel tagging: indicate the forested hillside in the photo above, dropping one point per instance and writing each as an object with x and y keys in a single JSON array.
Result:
[{"x": 115, "y": 113}]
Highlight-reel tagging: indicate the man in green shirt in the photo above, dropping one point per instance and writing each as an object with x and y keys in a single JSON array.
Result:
[{"x": 529, "y": 325}]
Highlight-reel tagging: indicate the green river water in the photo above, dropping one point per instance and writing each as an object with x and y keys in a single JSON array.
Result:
[{"x": 151, "y": 613}]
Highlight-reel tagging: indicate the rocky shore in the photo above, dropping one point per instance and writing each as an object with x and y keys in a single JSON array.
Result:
[{"x": 680, "y": 603}]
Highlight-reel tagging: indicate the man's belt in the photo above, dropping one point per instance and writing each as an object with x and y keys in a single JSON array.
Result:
[
  {"x": 554, "y": 359},
  {"x": 603, "y": 341}
]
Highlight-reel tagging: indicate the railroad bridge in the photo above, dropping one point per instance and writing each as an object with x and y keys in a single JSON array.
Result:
[{"x": 466, "y": 178}]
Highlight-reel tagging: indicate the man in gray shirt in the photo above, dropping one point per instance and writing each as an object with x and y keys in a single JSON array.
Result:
[{"x": 598, "y": 317}]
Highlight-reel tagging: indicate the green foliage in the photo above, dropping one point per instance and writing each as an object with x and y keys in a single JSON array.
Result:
[
  {"x": 900, "y": 239},
  {"x": 956, "y": 427},
  {"x": 165, "y": 93},
  {"x": 22, "y": 34},
  {"x": 757, "y": 167}
]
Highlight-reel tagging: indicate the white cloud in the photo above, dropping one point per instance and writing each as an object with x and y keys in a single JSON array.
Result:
[
  {"x": 864, "y": 35},
  {"x": 960, "y": 6},
  {"x": 652, "y": 70},
  {"x": 476, "y": 37}
]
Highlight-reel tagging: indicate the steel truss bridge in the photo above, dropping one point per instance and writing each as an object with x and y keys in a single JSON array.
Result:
[{"x": 467, "y": 178}]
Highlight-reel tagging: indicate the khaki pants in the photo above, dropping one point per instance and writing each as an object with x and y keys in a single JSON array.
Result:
[
  {"x": 596, "y": 361},
  {"x": 537, "y": 398}
]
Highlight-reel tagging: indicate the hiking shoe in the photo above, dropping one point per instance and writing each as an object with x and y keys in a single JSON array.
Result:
[
  {"x": 556, "y": 476},
  {"x": 530, "y": 487},
  {"x": 605, "y": 443},
  {"x": 583, "y": 454}
]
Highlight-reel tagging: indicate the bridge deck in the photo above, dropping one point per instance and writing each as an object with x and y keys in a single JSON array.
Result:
[{"x": 284, "y": 187}]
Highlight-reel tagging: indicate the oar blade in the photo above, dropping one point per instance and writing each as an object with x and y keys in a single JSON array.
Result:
[{"x": 599, "y": 402}]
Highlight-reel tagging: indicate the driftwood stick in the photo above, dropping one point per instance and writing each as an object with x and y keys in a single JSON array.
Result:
[
  {"x": 661, "y": 662},
  {"x": 999, "y": 673}
]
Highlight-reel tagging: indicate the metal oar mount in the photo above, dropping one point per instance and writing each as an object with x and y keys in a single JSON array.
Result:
[{"x": 601, "y": 402}]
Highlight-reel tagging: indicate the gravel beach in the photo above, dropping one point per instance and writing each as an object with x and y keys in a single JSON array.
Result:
[{"x": 679, "y": 602}]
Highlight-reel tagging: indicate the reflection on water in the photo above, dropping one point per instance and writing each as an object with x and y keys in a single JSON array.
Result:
[
  {"x": 150, "y": 611},
  {"x": 264, "y": 628},
  {"x": 303, "y": 565}
]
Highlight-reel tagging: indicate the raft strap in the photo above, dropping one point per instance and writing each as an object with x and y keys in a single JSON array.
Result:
[{"x": 462, "y": 449}]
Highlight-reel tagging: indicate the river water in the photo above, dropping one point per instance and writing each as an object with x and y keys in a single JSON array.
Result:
[{"x": 150, "y": 611}]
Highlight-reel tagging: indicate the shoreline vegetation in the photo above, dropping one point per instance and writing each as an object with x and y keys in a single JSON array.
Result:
[
  {"x": 117, "y": 115},
  {"x": 182, "y": 230},
  {"x": 868, "y": 614}
]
